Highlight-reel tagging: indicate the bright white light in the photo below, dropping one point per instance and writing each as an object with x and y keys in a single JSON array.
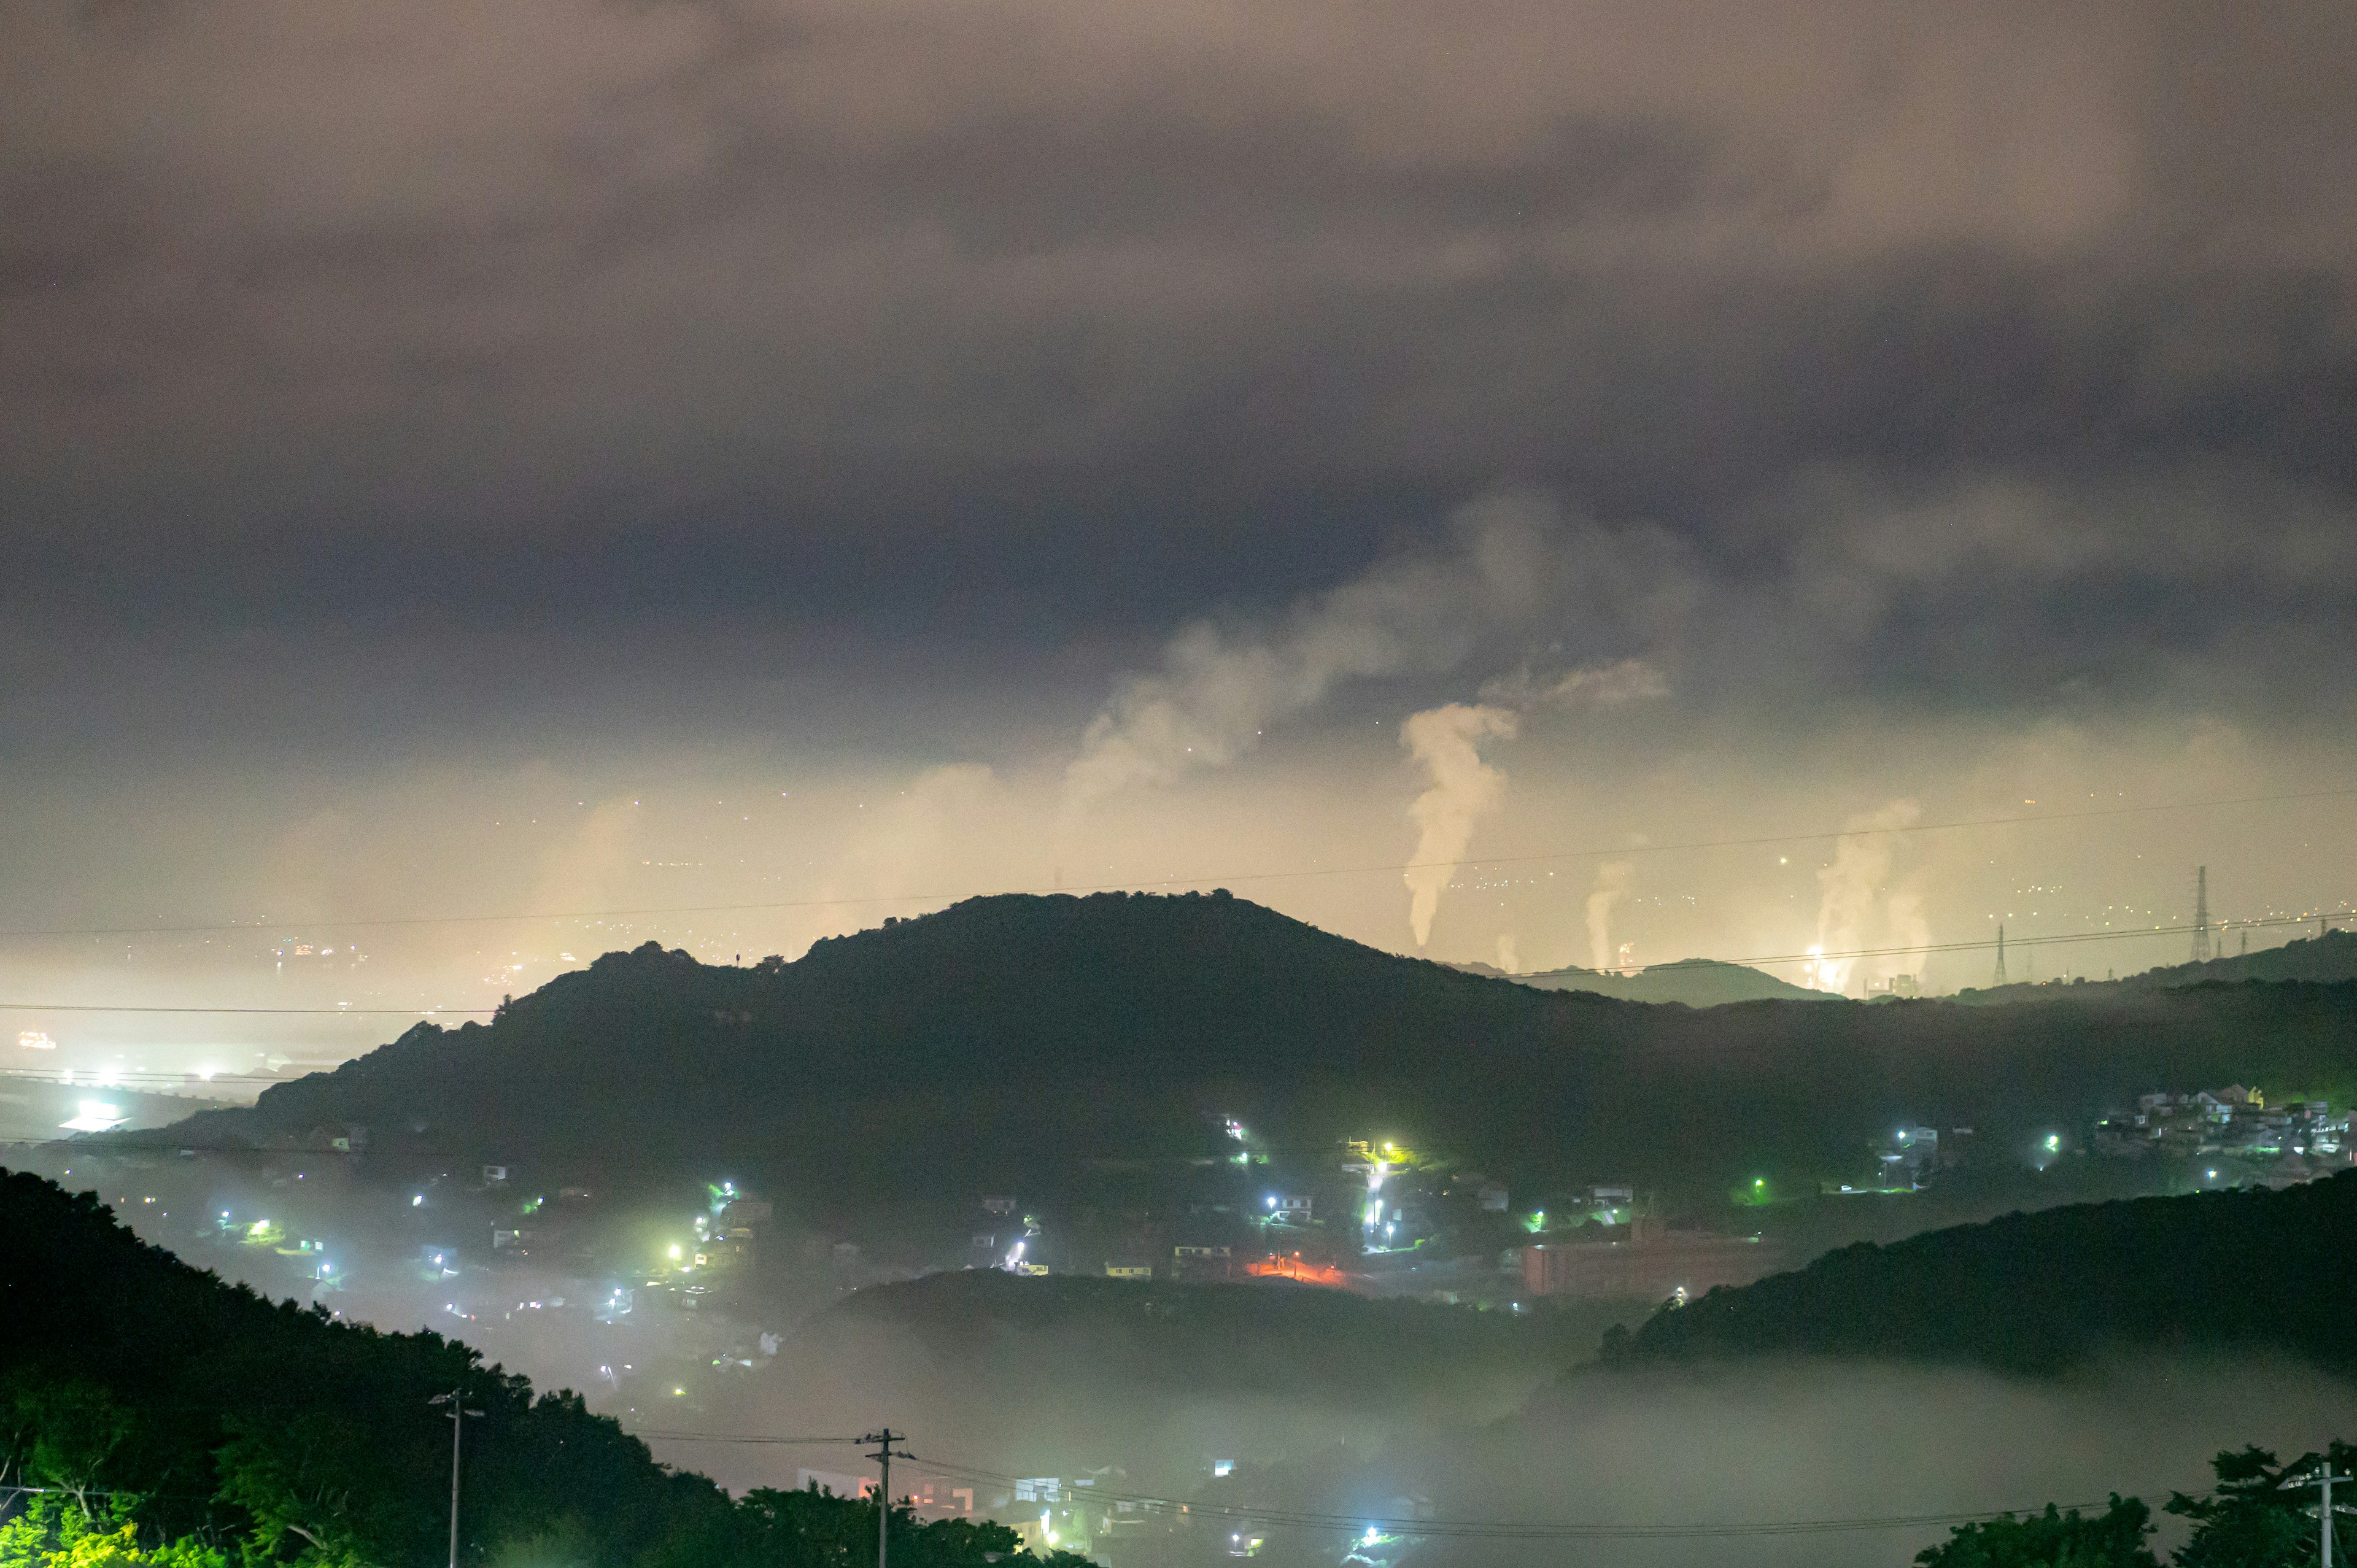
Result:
[
  {"x": 97, "y": 1116},
  {"x": 417, "y": 1200}
]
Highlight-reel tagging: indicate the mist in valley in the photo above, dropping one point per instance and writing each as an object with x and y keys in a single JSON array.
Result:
[{"x": 1282, "y": 1414}]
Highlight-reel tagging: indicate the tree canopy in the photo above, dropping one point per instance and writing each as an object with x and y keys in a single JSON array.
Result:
[
  {"x": 2260, "y": 1514},
  {"x": 157, "y": 1415}
]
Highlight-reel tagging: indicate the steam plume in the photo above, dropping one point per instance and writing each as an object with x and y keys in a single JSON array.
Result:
[
  {"x": 1513, "y": 557},
  {"x": 1612, "y": 886},
  {"x": 1448, "y": 741},
  {"x": 1853, "y": 909}
]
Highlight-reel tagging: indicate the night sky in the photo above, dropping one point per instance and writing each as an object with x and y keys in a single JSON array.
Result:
[{"x": 562, "y": 457}]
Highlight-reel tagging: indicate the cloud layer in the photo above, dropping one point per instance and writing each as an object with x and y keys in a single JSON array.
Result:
[{"x": 1782, "y": 409}]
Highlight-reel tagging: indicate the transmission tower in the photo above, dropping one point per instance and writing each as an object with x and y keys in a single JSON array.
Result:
[
  {"x": 2000, "y": 957},
  {"x": 2202, "y": 945}
]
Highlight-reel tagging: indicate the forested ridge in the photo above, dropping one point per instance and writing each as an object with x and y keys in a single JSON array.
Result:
[
  {"x": 158, "y": 1414},
  {"x": 1008, "y": 1032},
  {"x": 2039, "y": 1292}
]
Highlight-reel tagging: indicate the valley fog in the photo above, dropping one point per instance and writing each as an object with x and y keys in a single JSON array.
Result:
[{"x": 1273, "y": 1419}]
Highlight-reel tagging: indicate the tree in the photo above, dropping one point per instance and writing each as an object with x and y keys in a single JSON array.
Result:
[
  {"x": 61, "y": 1436},
  {"x": 815, "y": 1529},
  {"x": 2113, "y": 1539},
  {"x": 2252, "y": 1519},
  {"x": 52, "y": 1532}
]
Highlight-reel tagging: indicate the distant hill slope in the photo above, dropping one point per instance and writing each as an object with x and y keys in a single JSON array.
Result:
[
  {"x": 1694, "y": 981},
  {"x": 1272, "y": 1339},
  {"x": 1009, "y": 1035},
  {"x": 2040, "y": 1292},
  {"x": 1052, "y": 1371},
  {"x": 2328, "y": 959}
]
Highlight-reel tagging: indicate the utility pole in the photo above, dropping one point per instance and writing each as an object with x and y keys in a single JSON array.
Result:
[
  {"x": 883, "y": 1437},
  {"x": 2201, "y": 950},
  {"x": 2324, "y": 1480},
  {"x": 457, "y": 1399},
  {"x": 2000, "y": 957}
]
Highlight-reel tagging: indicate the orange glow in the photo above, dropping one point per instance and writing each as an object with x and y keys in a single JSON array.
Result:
[{"x": 1293, "y": 1268}]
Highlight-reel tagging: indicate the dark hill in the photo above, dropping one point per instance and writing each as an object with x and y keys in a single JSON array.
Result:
[
  {"x": 1694, "y": 981},
  {"x": 1003, "y": 1035},
  {"x": 123, "y": 1369},
  {"x": 2036, "y": 1293},
  {"x": 2327, "y": 960},
  {"x": 138, "y": 1393}
]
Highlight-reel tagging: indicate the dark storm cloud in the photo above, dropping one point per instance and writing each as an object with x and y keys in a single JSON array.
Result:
[{"x": 1043, "y": 325}]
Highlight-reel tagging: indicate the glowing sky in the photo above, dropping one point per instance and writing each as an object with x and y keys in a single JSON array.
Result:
[{"x": 565, "y": 455}]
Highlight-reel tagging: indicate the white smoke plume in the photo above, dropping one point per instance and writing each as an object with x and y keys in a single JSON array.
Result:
[
  {"x": 1903, "y": 921},
  {"x": 1508, "y": 960},
  {"x": 1612, "y": 686},
  {"x": 1448, "y": 741},
  {"x": 1856, "y": 908},
  {"x": 1515, "y": 562},
  {"x": 1611, "y": 885}
]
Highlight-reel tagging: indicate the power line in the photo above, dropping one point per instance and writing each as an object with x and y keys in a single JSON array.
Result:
[
  {"x": 1975, "y": 944},
  {"x": 2061, "y": 939},
  {"x": 390, "y": 921}
]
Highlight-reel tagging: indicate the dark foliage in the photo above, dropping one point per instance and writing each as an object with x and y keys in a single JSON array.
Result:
[
  {"x": 2113, "y": 1539},
  {"x": 140, "y": 1392},
  {"x": 2039, "y": 1292},
  {"x": 2260, "y": 1515}
]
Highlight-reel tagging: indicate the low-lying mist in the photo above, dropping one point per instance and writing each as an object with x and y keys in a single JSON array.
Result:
[
  {"x": 1251, "y": 1402},
  {"x": 1483, "y": 1438}
]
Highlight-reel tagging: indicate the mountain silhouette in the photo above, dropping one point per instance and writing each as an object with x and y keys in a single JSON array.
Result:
[{"x": 1016, "y": 1032}]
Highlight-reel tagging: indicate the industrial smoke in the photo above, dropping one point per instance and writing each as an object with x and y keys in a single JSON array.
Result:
[
  {"x": 1856, "y": 909},
  {"x": 1611, "y": 885},
  {"x": 1514, "y": 566},
  {"x": 1448, "y": 741}
]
